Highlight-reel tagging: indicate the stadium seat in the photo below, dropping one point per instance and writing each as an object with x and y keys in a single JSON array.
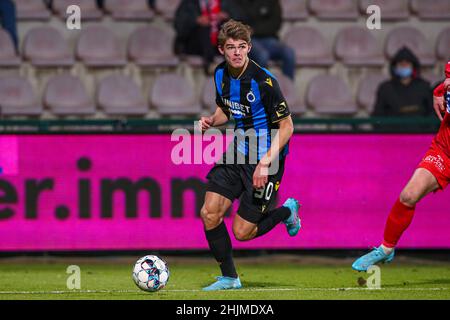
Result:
[
  {"x": 89, "y": 9},
  {"x": 431, "y": 9},
  {"x": 17, "y": 97},
  {"x": 357, "y": 46},
  {"x": 294, "y": 10},
  {"x": 129, "y": 9},
  {"x": 66, "y": 95},
  {"x": 390, "y": 10},
  {"x": 367, "y": 91},
  {"x": 209, "y": 94},
  {"x": 334, "y": 9},
  {"x": 119, "y": 95},
  {"x": 8, "y": 56},
  {"x": 32, "y": 10},
  {"x": 192, "y": 60},
  {"x": 432, "y": 78},
  {"x": 45, "y": 47},
  {"x": 167, "y": 8},
  {"x": 151, "y": 46},
  {"x": 411, "y": 38},
  {"x": 171, "y": 94},
  {"x": 98, "y": 47},
  {"x": 296, "y": 105},
  {"x": 443, "y": 45},
  {"x": 309, "y": 45},
  {"x": 197, "y": 61},
  {"x": 330, "y": 95}
]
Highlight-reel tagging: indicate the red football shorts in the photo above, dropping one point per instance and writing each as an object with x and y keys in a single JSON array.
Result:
[{"x": 438, "y": 163}]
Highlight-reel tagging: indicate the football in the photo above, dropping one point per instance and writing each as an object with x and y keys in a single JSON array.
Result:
[{"x": 150, "y": 273}]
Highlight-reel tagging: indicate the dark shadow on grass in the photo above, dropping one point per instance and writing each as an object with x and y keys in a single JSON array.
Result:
[{"x": 262, "y": 285}]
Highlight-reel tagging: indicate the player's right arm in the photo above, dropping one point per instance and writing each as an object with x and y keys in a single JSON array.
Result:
[{"x": 217, "y": 119}]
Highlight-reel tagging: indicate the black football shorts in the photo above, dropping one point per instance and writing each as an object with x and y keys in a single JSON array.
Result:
[{"x": 235, "y": 181}]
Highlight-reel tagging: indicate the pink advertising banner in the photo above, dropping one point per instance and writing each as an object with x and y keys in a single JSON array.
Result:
[{"x": 123, "y": 192}]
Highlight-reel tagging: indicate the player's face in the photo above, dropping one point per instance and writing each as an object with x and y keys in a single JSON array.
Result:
[{"x": 235, "y": 52}]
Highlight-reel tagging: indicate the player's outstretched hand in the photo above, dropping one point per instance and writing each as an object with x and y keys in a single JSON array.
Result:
[
  {"x": 260, "y": 176},
  {"x": 439, "y": 107},
  {"x": 205, "y": 123}
]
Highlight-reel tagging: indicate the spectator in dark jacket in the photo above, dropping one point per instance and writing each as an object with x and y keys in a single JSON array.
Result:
[
  {"x": 406, "y": 93},
  {"x": 8, "y": 20},
  {"x": 197, "y": 24},
  {"x": 264, "y": 16}
]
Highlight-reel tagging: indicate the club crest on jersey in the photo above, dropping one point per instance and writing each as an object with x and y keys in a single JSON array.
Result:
[{"x": 251, "y": 97}]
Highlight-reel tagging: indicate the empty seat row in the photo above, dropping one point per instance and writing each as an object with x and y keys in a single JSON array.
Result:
[
  {"x": 293, "y": 10},
  {"x": 151, "y": 45},
  {"x": 337, "y": 98},
  {"x": 116, "y": 94},
  {"x": 173, "y": 95},
  {"x": 391, "y": 10},
  {"x": 118, "y": 9},
  {"x": 357, "y": 46},
  {"x": 96, "y": 47}
]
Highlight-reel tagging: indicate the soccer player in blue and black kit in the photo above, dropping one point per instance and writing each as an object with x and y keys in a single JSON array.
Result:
[{"x": 252, "y": 96}]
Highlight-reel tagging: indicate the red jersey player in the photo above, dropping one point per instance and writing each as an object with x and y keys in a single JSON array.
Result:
[{"x": 432, "y": 174}]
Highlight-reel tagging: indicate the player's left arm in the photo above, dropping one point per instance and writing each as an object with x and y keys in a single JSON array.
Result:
[
  {"x": 281, "y": 138},
  {"x": 438, "y": 98},
  {"x": 278, "y": 113},
  {"x": 261, "y": 175}
]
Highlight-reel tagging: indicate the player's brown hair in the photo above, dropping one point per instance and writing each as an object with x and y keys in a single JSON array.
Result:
[{"x": 235, "y": 30}]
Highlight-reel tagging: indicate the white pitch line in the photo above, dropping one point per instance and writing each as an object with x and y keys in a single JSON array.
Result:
[{"x": 240, "y": 290}]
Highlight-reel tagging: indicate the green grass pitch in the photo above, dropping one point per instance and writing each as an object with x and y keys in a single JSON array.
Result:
[{"x": 110, "y": 279}]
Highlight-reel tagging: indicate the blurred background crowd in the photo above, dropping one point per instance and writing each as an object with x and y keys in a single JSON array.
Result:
[{"x": 153, "y": 59}]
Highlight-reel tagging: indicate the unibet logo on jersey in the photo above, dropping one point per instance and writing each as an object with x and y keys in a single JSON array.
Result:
[{"x": 237, "y": 109}]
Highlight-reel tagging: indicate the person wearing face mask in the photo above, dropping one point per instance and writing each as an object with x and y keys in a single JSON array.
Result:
[{"x": 406, "y": 94}]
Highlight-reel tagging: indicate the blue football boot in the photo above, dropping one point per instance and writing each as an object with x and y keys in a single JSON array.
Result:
[
  {"x": 293, "y": 223},
  {"x": 224, "y": 283},
  {"x": 375, "y": 256}
]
